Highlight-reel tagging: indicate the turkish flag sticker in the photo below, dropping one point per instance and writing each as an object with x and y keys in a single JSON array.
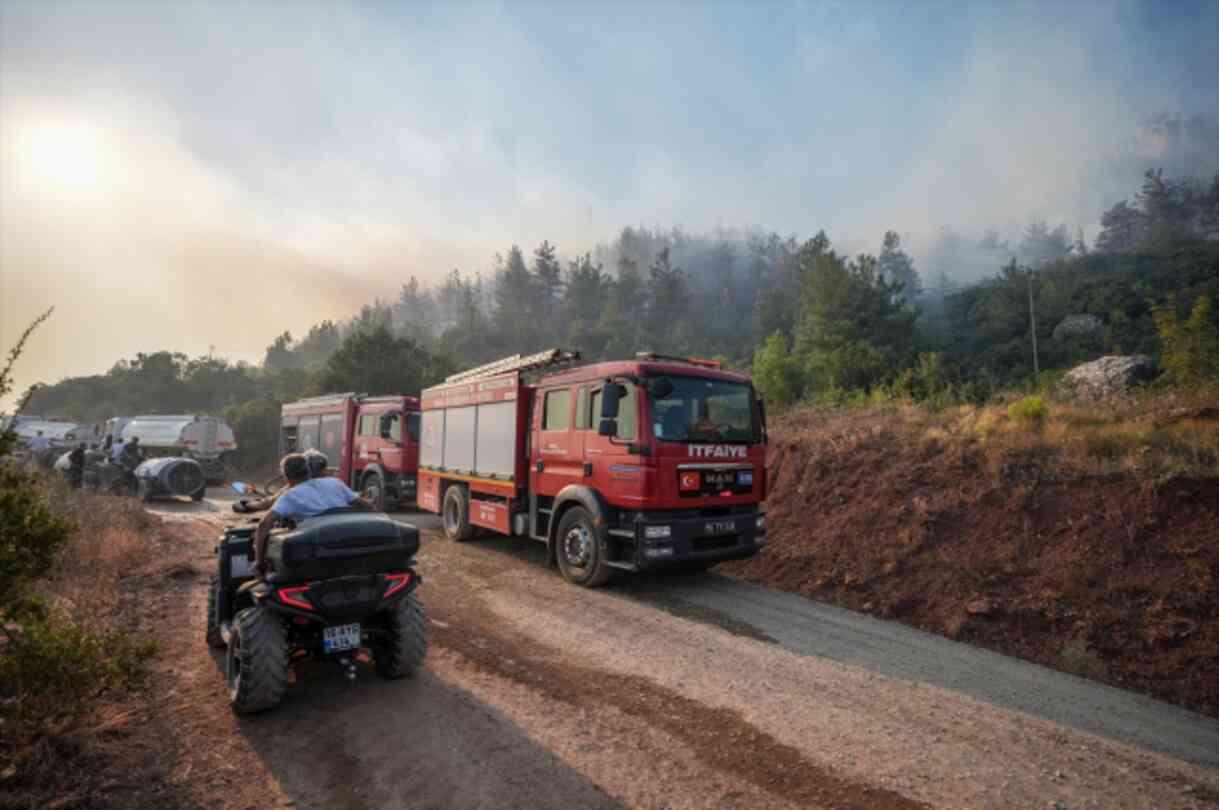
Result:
[{"x": 689, "y": 481}]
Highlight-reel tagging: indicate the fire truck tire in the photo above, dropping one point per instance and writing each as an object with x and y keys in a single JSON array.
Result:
[
  {"x": 580, "y": 556},
  {"x": 456, "y": 514},
  {"x": 374, "y": 490}
]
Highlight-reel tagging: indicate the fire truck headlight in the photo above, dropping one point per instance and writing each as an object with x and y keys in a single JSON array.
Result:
[
  {"x": 657, "y": 532},
  {"x": 760, "y": 523}
]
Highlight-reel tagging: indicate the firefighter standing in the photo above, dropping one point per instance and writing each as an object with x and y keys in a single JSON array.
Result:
[
  {"x": 76, "y": 466},
  {"x": 131, "y": 455}
]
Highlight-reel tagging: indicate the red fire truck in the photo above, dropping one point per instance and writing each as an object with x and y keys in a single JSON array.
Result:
[
  {"x": 627, "y": 465},
  {"x": 373, "y": 442}
]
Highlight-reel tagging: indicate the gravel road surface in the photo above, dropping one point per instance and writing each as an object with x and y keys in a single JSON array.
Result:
[{"x": 700, "y": 691}]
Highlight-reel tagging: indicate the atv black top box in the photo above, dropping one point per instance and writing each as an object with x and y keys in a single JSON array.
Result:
[{"x": 342, "y": 544}]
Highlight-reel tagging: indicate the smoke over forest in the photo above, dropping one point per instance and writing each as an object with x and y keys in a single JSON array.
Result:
[{"x": 210, "y": 208}]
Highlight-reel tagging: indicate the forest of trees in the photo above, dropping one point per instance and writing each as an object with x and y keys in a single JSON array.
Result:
[{"x": 810, "y": 322}]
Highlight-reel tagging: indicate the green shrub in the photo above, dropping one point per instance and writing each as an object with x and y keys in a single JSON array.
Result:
[
  {"x": 55, "y": 667},
  {"x": 31, "y": 535},
  {"x": 1189, "y": 351},
  {"x": 1031, "y": 411},
  {"x": 776, "y": 373}
]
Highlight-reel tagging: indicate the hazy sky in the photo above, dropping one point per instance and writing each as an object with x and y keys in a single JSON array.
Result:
[{"x": 189, "y": 176}]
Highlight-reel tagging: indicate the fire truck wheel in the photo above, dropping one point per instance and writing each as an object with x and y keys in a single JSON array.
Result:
[
  {"x": 580, "y": 556},
  {"x": 374, "y": 490},
  {"x": 457, "y": 514}
]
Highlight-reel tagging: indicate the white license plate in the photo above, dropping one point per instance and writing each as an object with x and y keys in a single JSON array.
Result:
[{"x": 343, "y": 637}]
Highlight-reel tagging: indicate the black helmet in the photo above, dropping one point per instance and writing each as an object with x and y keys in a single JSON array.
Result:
[{"x": 317, "y": 462}]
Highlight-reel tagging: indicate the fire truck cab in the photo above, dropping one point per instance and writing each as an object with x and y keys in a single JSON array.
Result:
[
  {"x": 372, "y": 442},
  {"x": 625, "y": 465}
]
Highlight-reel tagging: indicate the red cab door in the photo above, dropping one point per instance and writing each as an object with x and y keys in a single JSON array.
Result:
[{"x": 557, "y": 461}]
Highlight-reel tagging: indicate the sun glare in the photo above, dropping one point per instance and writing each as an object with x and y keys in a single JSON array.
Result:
[{"x": 67, "y": 155}]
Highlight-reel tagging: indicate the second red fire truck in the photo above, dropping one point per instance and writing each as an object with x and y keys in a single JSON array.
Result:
[
  {"x": 372, "y": 442},
  {"x": 629, "y": 465}
]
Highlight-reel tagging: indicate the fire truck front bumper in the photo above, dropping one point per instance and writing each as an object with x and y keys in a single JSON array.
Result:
[{"x": 661, "y": 541}]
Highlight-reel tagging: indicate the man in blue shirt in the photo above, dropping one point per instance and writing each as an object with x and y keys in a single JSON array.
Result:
[
  {"x": 39, "y": 444},
  {"x": 303, "y": 497}
]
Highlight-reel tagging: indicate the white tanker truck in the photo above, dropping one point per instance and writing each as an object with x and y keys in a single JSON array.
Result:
[{"x": 206, "y": 439}]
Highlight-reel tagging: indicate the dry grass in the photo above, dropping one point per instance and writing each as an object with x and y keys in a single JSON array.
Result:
[
  {"x": 114, "y": 539},
  {"x": 83, "y": 683},
  {"x": 1148, "y": 435}
]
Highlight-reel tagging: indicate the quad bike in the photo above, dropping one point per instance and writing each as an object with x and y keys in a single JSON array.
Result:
[{"x": 339, "y": 584}]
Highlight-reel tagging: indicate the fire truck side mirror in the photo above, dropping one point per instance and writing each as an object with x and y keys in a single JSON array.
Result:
[
  {"x": 611, "y": 397},
  {"x": 607, "y": 428}
]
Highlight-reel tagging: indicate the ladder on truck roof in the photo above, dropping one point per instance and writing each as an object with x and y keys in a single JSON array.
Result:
[{"x": 515, "y": 363}]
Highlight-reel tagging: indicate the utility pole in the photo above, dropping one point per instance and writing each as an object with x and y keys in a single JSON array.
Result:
[{"x": 1033, "y": 328}]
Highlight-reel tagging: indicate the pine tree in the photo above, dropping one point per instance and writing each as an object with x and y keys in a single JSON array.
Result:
[
  {"x": 897, "y": 266},
  {"x": 515, "y": 302},
  {"x": 854, "y": 330},
  {"x": 668, "y": 301},
  {"x": 547, "y": 282},
  {"x": 1041, "y": 244},
  {"x": 1123, "y": 228},
  {"x": 414, "y": 314},
  {"x": 586, "y": 292}
]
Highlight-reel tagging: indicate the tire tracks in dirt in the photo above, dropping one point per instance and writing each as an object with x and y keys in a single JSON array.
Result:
[{"x": 720, "y": 738}]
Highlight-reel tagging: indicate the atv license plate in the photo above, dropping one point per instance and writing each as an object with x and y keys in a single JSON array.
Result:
[{"x": 343, "y": 637}]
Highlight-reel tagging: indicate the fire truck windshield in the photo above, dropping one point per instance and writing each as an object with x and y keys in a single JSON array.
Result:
[{"x": 698, "y": 409}]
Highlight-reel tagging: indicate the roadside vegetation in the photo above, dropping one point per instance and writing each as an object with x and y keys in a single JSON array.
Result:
[{"x": 66, "y": 650}]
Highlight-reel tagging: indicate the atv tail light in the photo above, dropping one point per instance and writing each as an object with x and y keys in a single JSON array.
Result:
[
  {"x": 295, "y": 597},
  {"x": 396, "y": 583}
]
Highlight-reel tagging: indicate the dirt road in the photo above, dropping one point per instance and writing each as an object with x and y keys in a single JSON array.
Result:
[{"x": 689, "y": 692}]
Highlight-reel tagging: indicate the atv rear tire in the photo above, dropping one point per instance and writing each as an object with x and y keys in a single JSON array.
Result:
[
  {"x": 214, "y": 639},
  {"x": 456, "y": 514},
  {"x": 404, "y": 649},
  {"x": 256, "y": 665}
]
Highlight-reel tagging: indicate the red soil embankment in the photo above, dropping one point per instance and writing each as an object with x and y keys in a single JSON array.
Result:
[{"x": 1109, "y": 577}]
